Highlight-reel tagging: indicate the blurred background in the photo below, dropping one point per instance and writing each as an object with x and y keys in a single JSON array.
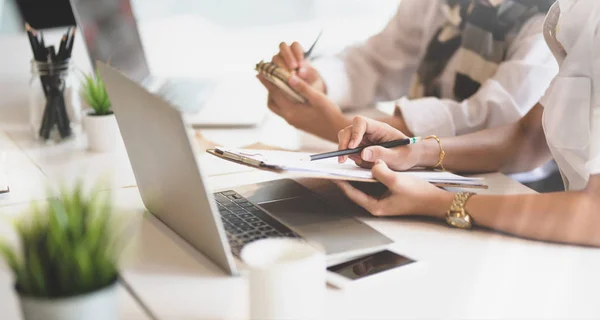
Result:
[
  {"x": 224, "y": 28},
  {"x": 228, "y": 14},
  {"x": 230, "y": 36}
]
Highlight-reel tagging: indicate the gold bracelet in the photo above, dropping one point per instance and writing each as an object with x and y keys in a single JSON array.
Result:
[{"x": 442, "y": 152}]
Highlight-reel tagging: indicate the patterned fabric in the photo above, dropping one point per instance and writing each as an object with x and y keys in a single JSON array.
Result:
[{"x": 478, "y": 34}]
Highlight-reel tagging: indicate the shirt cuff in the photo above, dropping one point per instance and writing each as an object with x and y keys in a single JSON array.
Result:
[
  {"x": 333, "y": 73},
  {"x": 426, "y": 116},
  {"x": 593, "y": 165}
]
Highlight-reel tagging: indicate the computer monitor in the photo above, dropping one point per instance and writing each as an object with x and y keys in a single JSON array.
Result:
[{"x": 111, "y": 35}]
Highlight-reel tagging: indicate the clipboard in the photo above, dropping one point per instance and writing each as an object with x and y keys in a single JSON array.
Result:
[{"x": 249, "y": 161}]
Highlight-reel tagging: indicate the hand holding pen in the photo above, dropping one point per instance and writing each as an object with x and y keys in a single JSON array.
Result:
[
  {"x": 375, "y": 140},
  {"x": 294, "y": 58}
]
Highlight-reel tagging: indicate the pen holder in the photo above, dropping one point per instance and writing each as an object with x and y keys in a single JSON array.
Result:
[{"x": 54, "y": 102}]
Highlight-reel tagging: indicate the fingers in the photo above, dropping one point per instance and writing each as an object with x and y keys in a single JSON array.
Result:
[
  {"x": 278, "y": 60},
  {"x": 308, "y": 73},
  {"x": 343, "y": 140},
  {"x": 298, "y": 53},
  {"x": 385, "y": 175},
  {"x": 375, "y": 153},
  {"x": 314, "y": 97},
  {"x": 288, "y": 56},
  {"x": 359, "y": 128},
  {"x": 360, "y": 198}
]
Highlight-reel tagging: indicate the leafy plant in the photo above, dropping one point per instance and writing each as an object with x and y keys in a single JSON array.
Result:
[
  {"x": 66, "y": 248},
  {"x": 95, "y": 95}
]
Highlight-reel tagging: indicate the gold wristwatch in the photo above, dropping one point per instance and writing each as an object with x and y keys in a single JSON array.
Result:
[{"x": 457, "y": 216}]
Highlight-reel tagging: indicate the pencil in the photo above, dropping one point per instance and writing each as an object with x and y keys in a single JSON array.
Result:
[
  {"x": 389, "y": 144},
  {"x": 309, "y": 52},
  {"x": 70, "y": 41},
  {"x": 33, "y": 41}
]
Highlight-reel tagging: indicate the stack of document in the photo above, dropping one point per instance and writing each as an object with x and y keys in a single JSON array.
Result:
[{"x": 298, "y": 165}]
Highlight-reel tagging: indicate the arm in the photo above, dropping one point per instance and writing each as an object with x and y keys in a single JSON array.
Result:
[
  {"x": 570, "y": 217},
  {"x": 515, "y": 147},
  {"x": 382, "y": 67},
  {"x": 519, "y": 82},
  {"x": 567, "y": 217}
]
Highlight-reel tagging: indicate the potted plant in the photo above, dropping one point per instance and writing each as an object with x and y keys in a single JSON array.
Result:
[
  {"x": 65, "y": 266},
  {"x": 99, "y": 122}
]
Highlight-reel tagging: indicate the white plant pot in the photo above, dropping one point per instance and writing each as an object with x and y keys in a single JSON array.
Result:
[
  {"x": 98, "y": 305},
  {"x": 101, "y": 131}
]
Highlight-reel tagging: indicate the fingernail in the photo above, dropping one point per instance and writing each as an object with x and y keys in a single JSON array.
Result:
[
  {"x": 367, "y": 154},
  {"x": 302, "y": 71},
  {"x": 351, "y": 144},
  {"x": 293, "y": 80}
]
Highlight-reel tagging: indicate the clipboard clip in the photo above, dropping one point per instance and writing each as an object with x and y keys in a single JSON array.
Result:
[{"x": 241, "y": 157}]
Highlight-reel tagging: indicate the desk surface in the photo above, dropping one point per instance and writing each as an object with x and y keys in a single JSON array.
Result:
[{"x": 476, "y": 274}]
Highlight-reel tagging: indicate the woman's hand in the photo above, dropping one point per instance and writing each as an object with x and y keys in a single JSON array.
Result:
[
  {"x": 364, "y": 132},
  {"x": 405, "y": 196},
  {"x": 291, "y": 57},
  {"x": 320, "y": 116}
]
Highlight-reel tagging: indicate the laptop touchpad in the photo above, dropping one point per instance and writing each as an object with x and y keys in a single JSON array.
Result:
[{"x": 317, "y": 221}]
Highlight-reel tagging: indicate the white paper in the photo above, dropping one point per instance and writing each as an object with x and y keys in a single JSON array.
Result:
[{"x": 298, "y": 162}]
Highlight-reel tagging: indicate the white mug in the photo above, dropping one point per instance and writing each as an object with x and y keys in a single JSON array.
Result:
[{"x": 286, "y": 279}]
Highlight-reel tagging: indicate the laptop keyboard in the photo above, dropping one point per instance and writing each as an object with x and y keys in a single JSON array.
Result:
[{"x": 244, "y": 222}]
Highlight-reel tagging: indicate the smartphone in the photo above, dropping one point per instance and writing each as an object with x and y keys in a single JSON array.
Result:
[{"x": 346, "y": 273}]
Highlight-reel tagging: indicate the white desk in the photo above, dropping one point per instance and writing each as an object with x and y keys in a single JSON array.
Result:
[{"x": 476, "y": 274}]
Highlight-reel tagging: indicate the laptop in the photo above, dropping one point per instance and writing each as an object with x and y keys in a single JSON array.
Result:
[
  {"x": 111, "y": 35},
  {"x": 172, "y": 186}
]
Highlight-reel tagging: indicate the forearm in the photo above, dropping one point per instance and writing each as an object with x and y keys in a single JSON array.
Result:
[
  {"x": 516, "y": 147},
  {"x": 485, "y": 151},
  {"x": 567, "y": 217},
  {"x": 330, "y": 130}
]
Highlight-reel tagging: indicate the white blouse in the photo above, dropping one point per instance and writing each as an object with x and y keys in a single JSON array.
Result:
[
  {"x": 571, "y": 117},
  {"x": 381, "y": 69}
]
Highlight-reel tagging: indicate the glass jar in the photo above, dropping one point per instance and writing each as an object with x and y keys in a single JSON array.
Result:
[{"x": 54, "y": 101}]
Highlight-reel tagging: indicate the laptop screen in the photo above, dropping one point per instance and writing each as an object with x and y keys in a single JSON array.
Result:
[{"x": 110, "y": 34}]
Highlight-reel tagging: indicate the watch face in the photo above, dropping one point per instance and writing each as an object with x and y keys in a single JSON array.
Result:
[{"x": 459, "y": 222}]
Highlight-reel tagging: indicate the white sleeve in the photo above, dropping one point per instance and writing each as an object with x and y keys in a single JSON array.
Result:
[
  {"x": 593, "y": 165},
  {"x": 515, "y": 88},
  {"x": 381, "y": 68}
]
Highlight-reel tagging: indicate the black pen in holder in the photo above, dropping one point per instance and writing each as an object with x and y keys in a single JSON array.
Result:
[
  {"x": 53, "y": 99},
  {"x": 54, "y": 103}
]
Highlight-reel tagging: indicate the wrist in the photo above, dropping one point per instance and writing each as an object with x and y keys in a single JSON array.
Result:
[
  {"x": 338, "y": 122},
  {"x": 438, "y": 203},
  {"x": 430, "y": 153}
]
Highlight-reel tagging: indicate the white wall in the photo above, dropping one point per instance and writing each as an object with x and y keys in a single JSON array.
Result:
[{"x": 10, "y": 20}]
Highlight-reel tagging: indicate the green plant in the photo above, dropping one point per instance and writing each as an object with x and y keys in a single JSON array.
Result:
[
  {"x": 67, "y": 248},
  {"x": 95, "y": 95}
]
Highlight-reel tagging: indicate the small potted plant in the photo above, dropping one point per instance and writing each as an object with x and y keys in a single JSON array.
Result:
[
  {"x": 65, "y": 266},
  {"x": 99, "y": 122}
]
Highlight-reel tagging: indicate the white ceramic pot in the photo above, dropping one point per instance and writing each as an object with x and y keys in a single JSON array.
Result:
[
  {"x": 98, "y": 305},
  {"x": 101, "y": 131}
]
